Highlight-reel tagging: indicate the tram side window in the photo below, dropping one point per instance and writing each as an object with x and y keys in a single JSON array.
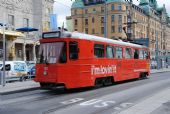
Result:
[
  {"x": 73, "y": 50},
  {"x": 63, "y": 56},
  {"x": 110, "y": 52},
  {"x": 136, "y": 54},
  {"x": 119, "y": 52},
  {"x": 146, "y": 55},
  {"x": 99, "y": 50},
  {"x": 128, "y": 53},
  {"x": 141, "y": 54}
]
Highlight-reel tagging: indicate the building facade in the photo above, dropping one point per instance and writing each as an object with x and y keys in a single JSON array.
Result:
[
  {"x": 125, "y": 20},
  {"x": 18, "y": 14}
]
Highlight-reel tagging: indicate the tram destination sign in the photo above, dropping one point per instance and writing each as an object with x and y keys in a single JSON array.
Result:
[
  {"x": 93, "y": 2},
  {"x": 54, "y": 34}
]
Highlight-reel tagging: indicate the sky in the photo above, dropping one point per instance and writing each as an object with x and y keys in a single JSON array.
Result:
[{"x": 63, "y": 8}]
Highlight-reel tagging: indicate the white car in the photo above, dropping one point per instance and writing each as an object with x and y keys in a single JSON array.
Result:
[{"x": 14, "y": 69}]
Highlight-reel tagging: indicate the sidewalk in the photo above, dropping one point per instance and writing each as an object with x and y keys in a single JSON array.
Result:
[
  {"x": 31, "y": 85},
  {"x": 156, "y": 104},
  {"x": 18, "y": 87},
  {"x": 160, "y": 70}
]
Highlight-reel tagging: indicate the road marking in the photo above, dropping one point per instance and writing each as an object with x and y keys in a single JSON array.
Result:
[
  {"x": 104, "y": 104},
  {"x": 90, "y": 102},
  {"x": 71, "y": 101}
]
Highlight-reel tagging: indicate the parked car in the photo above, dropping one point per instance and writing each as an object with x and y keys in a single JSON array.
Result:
[
  {"x": 15, "y": 70},
  {"x": 31, "y": 70}
]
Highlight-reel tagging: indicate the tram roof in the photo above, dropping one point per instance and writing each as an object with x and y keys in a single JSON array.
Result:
[{"x": 78, "y": 35}]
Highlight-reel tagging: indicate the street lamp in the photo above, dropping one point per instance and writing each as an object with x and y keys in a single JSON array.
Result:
[{"x": 4, "y": 55}]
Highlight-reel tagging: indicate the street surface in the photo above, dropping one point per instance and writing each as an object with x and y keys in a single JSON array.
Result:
[{"x": 107, "y": 100}]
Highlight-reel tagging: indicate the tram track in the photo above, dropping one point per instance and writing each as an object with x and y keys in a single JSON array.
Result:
[{"x": 51, "y": 101}]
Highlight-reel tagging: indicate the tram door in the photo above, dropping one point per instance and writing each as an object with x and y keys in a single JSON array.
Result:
[{"x": 128, "y": 63}]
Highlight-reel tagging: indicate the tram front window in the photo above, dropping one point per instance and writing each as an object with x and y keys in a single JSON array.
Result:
[{"x": 50, "y": 53}]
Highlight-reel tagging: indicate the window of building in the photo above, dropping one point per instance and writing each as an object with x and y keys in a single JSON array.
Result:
[
  {"x": 113, "y": 18},
  {"x": 126, "y": 7},
  {"x": 93, "y": 20},
  {"x": 119, "y": 52},
  {"x": 102, "y": 9},
  {"x": 141, "y": 54},
  {"x": 128, "y": 53},
  {"x": 26, "y": 22},
  {"x": 120, "y": 19},
  {"x": 86, "y": 11},
  {"x": 99, "y": 50},
  {"x": 48, "y": 25},
  {"x": 11, "y": 20},
  {"x": 19, "y": 53},
  {"x": 125, "y": 19},
  {"x": 86, "y": 21},
  {"x": 113, "y": 7},
  {"x": 129, "y": 30},
  {"x": 128, "y": 19},
  {"x": 48, "y": 11},
  {"x": 93, "y": 31},
  {"x": 102, "y": 19},
  {"x": 113, "y": 29},
  {"x": 86, "y": 30},
  {"x": 73, "y": 50},
  {"x": 75, "y": 12},
  {"x": 94, "y": 10},
  {"x": 102, "y": 30},
  {"x": 136, "y": 54},
  {"x": 75, "y": 22},
  {"x": 110, "y": 52},
  {"x": 119, "y": 7},
  {"x": 120, "y": 28}
]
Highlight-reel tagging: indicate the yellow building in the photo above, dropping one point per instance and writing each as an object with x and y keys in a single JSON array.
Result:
[
  {"x": 145, "y": 20},
  {"x": 10, "y": 36}
]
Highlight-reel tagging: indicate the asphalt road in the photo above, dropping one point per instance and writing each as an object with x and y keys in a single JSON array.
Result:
[{"x": 105, "y": 100}]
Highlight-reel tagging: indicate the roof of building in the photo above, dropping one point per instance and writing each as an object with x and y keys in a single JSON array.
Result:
[
  {"x": 78, "y": 4},
  {"x": 144, "y": 2},
  {"x": 117, "y": 1}
]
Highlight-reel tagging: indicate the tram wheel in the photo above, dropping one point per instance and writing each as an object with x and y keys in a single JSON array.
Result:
[
  {"x": 108, "y": 81},
  {"x": 98, "y": 83},
  {"x": 143, "y": 76}
]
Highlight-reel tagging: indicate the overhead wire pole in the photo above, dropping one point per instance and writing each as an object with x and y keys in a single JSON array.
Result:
[
  {"x": 157, "y": 50},
  {"x": 105, "y": 19},
  {"x": 4, "y": 54}
]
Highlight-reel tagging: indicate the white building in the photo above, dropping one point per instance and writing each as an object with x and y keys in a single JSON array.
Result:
[{"x": 23, "y": 13}]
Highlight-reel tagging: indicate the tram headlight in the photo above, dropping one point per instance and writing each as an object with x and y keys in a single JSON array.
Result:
[{"x": 45, "y": 73}]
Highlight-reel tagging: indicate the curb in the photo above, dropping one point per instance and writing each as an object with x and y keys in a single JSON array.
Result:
[
  {"x": 18, "y": 91},
  {"x": 159, "y": 72}
]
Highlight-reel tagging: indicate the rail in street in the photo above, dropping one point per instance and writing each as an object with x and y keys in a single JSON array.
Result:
[{"x": 106, "y": 100}]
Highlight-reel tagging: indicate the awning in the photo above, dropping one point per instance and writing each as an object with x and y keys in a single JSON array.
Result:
[
  {"x": 12, "y": 33},
  {"x": 26, "y": 29}
]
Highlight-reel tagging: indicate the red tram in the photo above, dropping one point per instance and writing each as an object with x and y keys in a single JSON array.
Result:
[{"x": 75, "y": 60}]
